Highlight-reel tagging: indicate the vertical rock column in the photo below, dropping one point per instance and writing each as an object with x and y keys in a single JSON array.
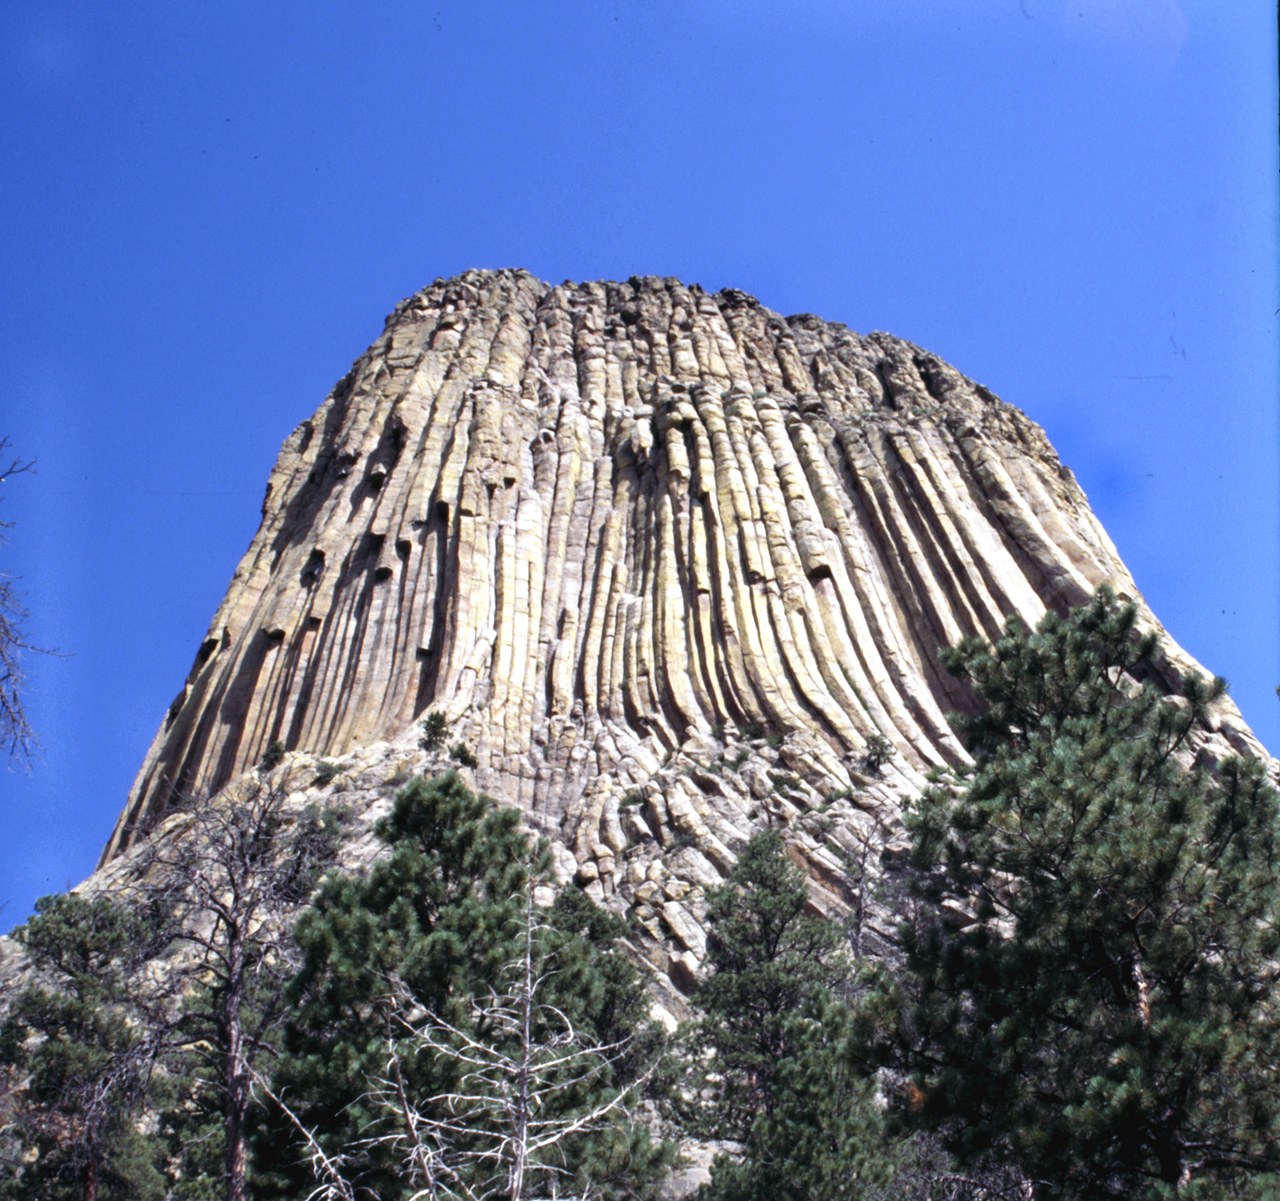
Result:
[{"x": 598, "y": 524}]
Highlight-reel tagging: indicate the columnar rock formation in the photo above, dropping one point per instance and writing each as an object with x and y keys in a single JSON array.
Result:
[{"x": 665, "y": 560}]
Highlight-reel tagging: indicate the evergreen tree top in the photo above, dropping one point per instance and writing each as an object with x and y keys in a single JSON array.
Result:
[{"x": 1104, "y": 1015}]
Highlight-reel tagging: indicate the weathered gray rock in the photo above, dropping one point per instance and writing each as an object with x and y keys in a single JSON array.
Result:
[{"x": 665, "y": 560}]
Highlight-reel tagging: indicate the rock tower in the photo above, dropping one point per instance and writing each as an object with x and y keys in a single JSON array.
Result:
[{"x": 664, "y": 560}]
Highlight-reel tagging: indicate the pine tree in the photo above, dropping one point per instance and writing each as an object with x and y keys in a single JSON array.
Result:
[
  {"x": 78, "y": 1056},
  {"x": 408, "y": 983},
  {"x": 1104, "y": 1017},
  {"x": 766, "y": 1055}
]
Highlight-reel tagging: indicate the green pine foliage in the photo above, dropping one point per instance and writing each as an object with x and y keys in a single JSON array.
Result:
[
  {"x": 461, "y": 753},
  {"x": 77, "y": 1058},
  {"x": 1104, "y": 1019},
  {"x": 879, "y": 751},
  {"x": 273, "y": 756},
  {"x": 767, "y": 1070},
  {"x": 191, "y": 1128},
  {"x": 429, "y": 936},
  {"x": 767, "y": 961},
  {"x": 435, "y": 730}
]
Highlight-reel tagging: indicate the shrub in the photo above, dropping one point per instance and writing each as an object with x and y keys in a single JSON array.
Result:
[
  {"x": 879, "y": 751},
  {"x": 326, "y": 773},
  {"x": 461, "y": 753},
  {"x": 273, "y": 756}
]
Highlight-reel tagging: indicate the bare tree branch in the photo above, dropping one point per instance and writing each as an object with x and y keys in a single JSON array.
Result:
[
  {"x": 17, "y": 738},
  {"x": 333, "y": 1186}
]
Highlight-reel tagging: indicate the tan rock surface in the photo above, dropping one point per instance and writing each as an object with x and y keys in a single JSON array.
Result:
[{"x": 665, "y": 560}]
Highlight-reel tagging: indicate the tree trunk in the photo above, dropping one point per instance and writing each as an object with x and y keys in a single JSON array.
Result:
[
  {"x": 236, "y": 1076},
  {"x": 91, "y": 1180},
  {"x": 520, "y": 1127}
]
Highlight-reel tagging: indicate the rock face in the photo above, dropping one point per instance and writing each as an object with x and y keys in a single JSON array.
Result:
[{"x": 665, "y": 560}]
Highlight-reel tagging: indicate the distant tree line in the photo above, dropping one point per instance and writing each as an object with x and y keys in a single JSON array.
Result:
[{"x": 1073, "y": 997}]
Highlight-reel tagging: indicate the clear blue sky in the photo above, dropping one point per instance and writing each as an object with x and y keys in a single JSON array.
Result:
[{"x": 207, "y": 209}]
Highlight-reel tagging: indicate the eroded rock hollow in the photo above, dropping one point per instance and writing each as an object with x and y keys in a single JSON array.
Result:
[{"x": 665, "y": 560}]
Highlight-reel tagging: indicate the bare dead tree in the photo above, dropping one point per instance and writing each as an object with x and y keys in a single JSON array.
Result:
[
  {"x": 503, "y": 1130},
  {"x": 17, "y": 738},
  {"x": 233, "y": 872}
]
